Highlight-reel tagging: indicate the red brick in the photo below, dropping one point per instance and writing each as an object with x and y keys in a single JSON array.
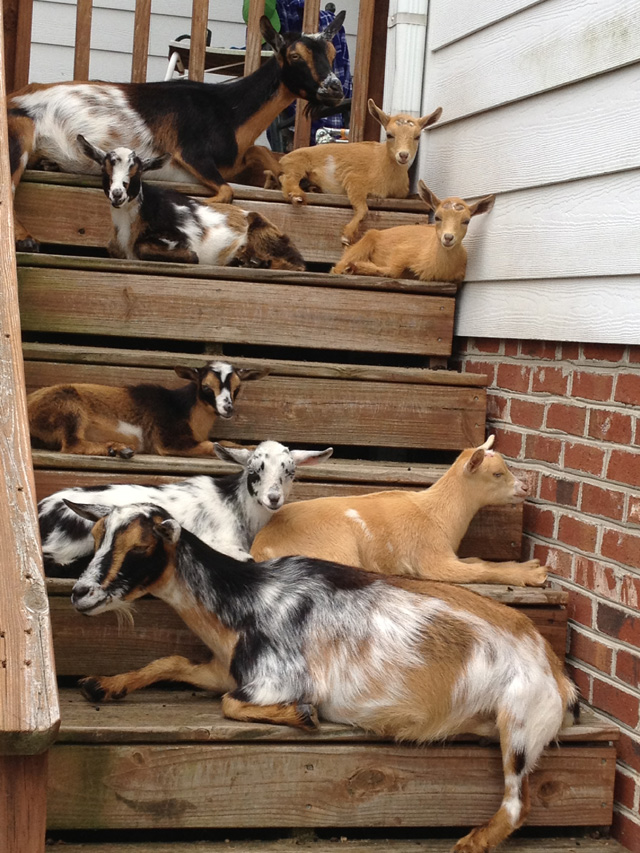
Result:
[
  {"x": 486, "y": 367},
  {"x": 633, "y": 511},
  {"x": 606, "y": 425},
  {"x": 526, "y": 414},
  {"x": 624, "y": 466},
  {"x": 629, "y": 750},
  {"x": 618, "y": 624},
  {"x": 497, "y": 406},
  {"x": 570, "y": 352},
  {"x": 628, "y": 667},
  {"x": 595, "y": 577},
  {"x": 512, "y": 348},
  {"x": 581, "y": 679},
  {"x": 622, "y": 547},
  {"x": 580, "y": 608},
  {"x": 539, "y": 349},
  {"x": 605, "y": 502},
  {"x": 590, "y": 651},
  {"x": 621, "y": 705},
  {"x": 603, "y": 352},
  {"x": 634, "y": 355},
  {"x": 584, "y": 457},
  {"x": 508, "y": 442},
  {"x": 560, "y": 491},
  {"x": 514, "y": 377},
  {"x": 570, "y": 419},
  {"x": 538, "y": 520},
  {"x": 628, "y": 388},
  {"x": 490, "y": 345},
  {"x": 626, "y": 830},
  {"x": 592, "y": 386},
  {"x": 560, "y": 562},
  {"x": 630, "y": 591},
  {"x": 577, "y": 533},
  {"x": 550, "y": 380},
  {"x": 543, "y": 448},
  {"x": 625, "y": 790}
]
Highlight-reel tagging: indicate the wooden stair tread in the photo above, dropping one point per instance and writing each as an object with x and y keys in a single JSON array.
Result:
[
  {"x": 157, "y": 716},
  {"x": 378, "y": 845},
  {"x": 69, "y": 353}
]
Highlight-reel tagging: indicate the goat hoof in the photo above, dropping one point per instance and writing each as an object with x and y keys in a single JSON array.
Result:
[
  {"x": 29, "y": 244},
  {"x": 112, "y": 452},
  {"x": 308, "y": 717},
  {"x": 126, "y": 453},
  {"x": 346, "y": 241},
  {"x": 92, "y": 690}
]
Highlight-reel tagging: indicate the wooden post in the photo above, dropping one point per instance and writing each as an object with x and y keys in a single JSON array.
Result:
[
  {"x": 82, "y": 51},
  {"x": 17, "y": 16},
  {"x": 361, "y": 70},
  {"x": 141, "y": 27},
  {"x": 252, "y": 57},
  {"x": 23, "y": 803},
  {"x": 375, "y": 87},
  {"x": 310, "y": 23},
  {"x": 199, "y": 21}
]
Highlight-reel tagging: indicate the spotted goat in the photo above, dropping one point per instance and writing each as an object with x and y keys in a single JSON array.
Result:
[
  {"x": 208, "y": 129},
  {"x": 295, "y": 639},
  {"x": 159, "y": 224},
  {"x": 225, "y": 512},
  {"x": 103, "y": 420}
]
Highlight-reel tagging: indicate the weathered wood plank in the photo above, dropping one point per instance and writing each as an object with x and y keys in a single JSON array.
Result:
[
  {"x": 82, "y": 47},
  {"x": 278, "y": 367},
  {"x": 234, "y": 312},
  {"x": 315, "y": 784},
  {"x": 23, "y": 803},
  {"x": 199, "y": 20},
  {"x": 362, "y": 64},
  {"x": 140, "y": 55},
  {"x": 298, "y": 409},
  {"x": 302, "y": 128},
  {"x": 253, "y": 58}
]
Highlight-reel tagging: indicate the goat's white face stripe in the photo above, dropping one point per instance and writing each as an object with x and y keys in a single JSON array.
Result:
[
  {"x": 123, "y": 162},
  {"x": 328, "y": 81}
]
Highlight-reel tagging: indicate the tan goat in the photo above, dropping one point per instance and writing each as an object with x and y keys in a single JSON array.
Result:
[
  {"x": 406, "y": 533},
  {"x": 359, "y": 169},
  {"x": 427, "y": 252}
]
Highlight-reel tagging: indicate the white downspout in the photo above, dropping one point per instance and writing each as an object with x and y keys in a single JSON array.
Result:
[{"x": 406, "y": 46}]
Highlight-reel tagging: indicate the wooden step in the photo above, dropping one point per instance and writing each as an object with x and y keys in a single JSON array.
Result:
[
  {"x": 170, "y": 760},
  {"x": 83, "y": 218},
  {"x": 102, "y": 646}
]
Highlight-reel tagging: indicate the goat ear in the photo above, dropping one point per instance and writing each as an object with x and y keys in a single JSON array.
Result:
[
  {"x": 377, "y": 113},
  {"x": 269, "y": 34},
  {"x": 430, "y": 199},
  {"x": 153, "y": 163},
  {"x": 475, "y": 461},
  {"x": 247, "y": 374},
  {"x": 92, "y": 512},
  {"x": 255, "y": 220},
  {"x": 92, "y": 151},
  {"x": 169, "y": 530},
  {"x": 311, "y": 457},
  {"x": 239, "y": 455},
  {"x": 334, "y": 27},
  {"x": 190, "y": 373},
  {"x": 483, "y": 205},
  {"x": 425, "y": 121}
]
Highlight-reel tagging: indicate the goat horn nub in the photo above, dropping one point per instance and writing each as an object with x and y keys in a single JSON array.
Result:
[{"x": 488, "y": 443}]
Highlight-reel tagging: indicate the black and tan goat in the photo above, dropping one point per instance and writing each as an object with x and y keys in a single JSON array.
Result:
[
  {"x": 296, "y": 637},
  {"x": 158, "y": 224},
  {"x": 103, "y": 420},
  {"x": 206, "y": 128}
]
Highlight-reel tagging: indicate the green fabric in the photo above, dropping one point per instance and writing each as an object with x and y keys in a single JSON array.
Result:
[{"x": 269, "y": 10}]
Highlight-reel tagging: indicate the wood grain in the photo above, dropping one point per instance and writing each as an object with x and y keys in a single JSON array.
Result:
[
  {"x": 23, "y": 803},
  {"x": 198, "y": 43},
  {"x": 140, "y": 55},
  {"x": 231, "y": 311},
  {"x": 361, "y": 67},
  {"x": 253, "y": 58},
  {"x": 22, "y": 56},
  {"x": 82, "y": 47},
  {"x": 302, "y": 128}
]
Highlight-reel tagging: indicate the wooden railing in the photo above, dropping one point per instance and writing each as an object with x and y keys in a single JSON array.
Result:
[
  {"x": 29, "y": 714},
  {"x": 368, "y": 66}
]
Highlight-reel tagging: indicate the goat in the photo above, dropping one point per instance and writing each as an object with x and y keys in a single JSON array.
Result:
[
  {"x": 427, "y": 252},
  {"x": 225, "y": 512},
  {"x": 403, "y": 532},
  {"x": 359, "y": 169},
  {"x": 158, "y": 224},
  {"x": 206, "y": 128},
  {"x": 295, "y": 639},
  {"x": 102, "y": 420}
]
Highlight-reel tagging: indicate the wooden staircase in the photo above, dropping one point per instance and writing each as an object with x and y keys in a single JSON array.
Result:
[{"x": 353, "y": 367}]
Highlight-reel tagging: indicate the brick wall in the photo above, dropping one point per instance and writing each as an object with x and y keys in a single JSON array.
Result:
[{"x": 569, "y": 416}]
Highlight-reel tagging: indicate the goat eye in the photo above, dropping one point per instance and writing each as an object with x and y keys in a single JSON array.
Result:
[
  {"x": 466, "y": 221},
  {"x": 139, "y": 549},
  {"x": 497, "y": 475},
  {"x": 438, "y": 218},
  {"x": 390, "y": 136}
]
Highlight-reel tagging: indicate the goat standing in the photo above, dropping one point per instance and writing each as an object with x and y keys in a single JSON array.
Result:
[
  {"x": 359, "y": 169},
  {"x": 293, "y": 635},
  {"x": 404, "y": 532},
  {"x": 427, "y": 252},
  {"x": 103, "y": 420},
  {"x": 206, "y": 128}
]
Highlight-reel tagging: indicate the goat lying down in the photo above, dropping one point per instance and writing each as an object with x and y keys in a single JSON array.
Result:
[
  {"x": 225, "y": 512},
  {"x": 294, "y": 638},
  {"x": 158, "y": 224},
  {"x": 103, "y": 420},
  {"x": 403, "y": 532},
  {"x": 426, "y": 252}
]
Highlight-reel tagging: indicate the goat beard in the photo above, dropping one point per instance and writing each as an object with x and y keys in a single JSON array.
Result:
[{"x": 316, "y": 111}]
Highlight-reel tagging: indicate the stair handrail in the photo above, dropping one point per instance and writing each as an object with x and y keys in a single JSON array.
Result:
[{"x": 29, "y": 709}]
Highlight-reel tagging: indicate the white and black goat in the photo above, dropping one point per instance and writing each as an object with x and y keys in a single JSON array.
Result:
[
  {"x": 104, "y": 420},
  {"x": 296, "y": 637},
  {"x": 225, "y": 512},
  {"x": 153, "y": 223}
]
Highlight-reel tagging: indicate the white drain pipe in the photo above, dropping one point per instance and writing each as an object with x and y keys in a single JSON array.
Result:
[{"x": 406, "y": 46}]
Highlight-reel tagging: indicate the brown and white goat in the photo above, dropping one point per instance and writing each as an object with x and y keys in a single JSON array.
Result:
[
  {"x": 427, "y": 252},
  {"x": 406, "y": 533},
  {"x": 360, "y": 169},
  {"x": 158, "y": 224},
  {"x": 102, "y": 420},
  {"x": 293, "y": 639},
  {"x": 206, "y": 128}
]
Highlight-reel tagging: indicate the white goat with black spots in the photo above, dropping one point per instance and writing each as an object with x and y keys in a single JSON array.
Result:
[{"x": 225, "y": 512}]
